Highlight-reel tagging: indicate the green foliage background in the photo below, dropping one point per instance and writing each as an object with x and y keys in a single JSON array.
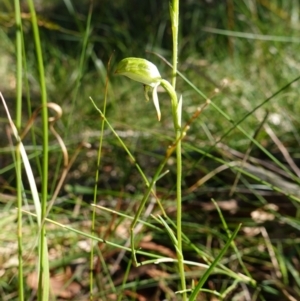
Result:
[{"x": 254, "y": 67}]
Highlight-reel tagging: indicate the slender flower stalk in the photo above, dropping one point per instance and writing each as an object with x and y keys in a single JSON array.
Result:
[
  {"x": 174, "y": 13},
  {"x": 145, "y": 72}
]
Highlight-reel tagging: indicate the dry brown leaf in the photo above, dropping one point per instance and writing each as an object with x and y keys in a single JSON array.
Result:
[
  {"x": 134, "y": 273},
  {"x": 135, "y": 295},
  {"x": 262, "y": 215},
  {"x": 58, "y": 284},
  {"x": 251, "y": 231},
  {"x": 228, "y": 205},
  {"x": 155, "y": 273},
  {"x": 159, "y": 248}
]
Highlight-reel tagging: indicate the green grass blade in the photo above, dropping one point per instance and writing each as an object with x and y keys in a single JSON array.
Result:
[
  {"x": 18, "y": 162},
  {"x": 203, "y": 279},
  {"x": 44, "y": 277}
]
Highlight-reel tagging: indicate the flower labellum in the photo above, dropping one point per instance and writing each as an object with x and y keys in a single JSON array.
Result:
[{"x": 155, "y": 101}]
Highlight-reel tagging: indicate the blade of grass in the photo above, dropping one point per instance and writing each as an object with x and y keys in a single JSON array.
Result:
[
  {"x": 18, "y": 163},
  {"x": 235, "y": 165},
  {"x": 150, "y": 185},
  {"x": 127, "y": 216},
  {"x": 203, "y": 279},
  {"x": 97, "y": 180},
  {"x": 82, "y": 58},
  {"x": 95, "y": 238},
  {"x": 125, "y": 278},
  {"x": 29, "y": 173},
  {"x": 237, "y": 124},
  {"x": 252, "y": 36},
  {"x": 225, "y": 226},
  {"x": 85, "y": 33},
  {"x": 209, "y": 259},
  {"x": 44, "y": 277}
]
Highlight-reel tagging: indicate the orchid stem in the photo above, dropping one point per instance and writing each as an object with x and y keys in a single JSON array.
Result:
[{"x": 174, "y": 12}]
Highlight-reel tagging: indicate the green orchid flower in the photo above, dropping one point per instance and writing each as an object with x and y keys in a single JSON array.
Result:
[{"x": 144, "y": 72}]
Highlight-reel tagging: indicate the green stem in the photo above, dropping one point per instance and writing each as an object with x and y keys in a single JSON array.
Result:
[
  {"x": 174, "y": 12},
  {"x": 179, "y": 213},
  {"x": 18, "y": 155},
  {"x": 176, "y": 111},
  {"x": 43, "y": 287},
  {"x": 171, "y": 91},
  {"x": 141, "y": 207}
]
